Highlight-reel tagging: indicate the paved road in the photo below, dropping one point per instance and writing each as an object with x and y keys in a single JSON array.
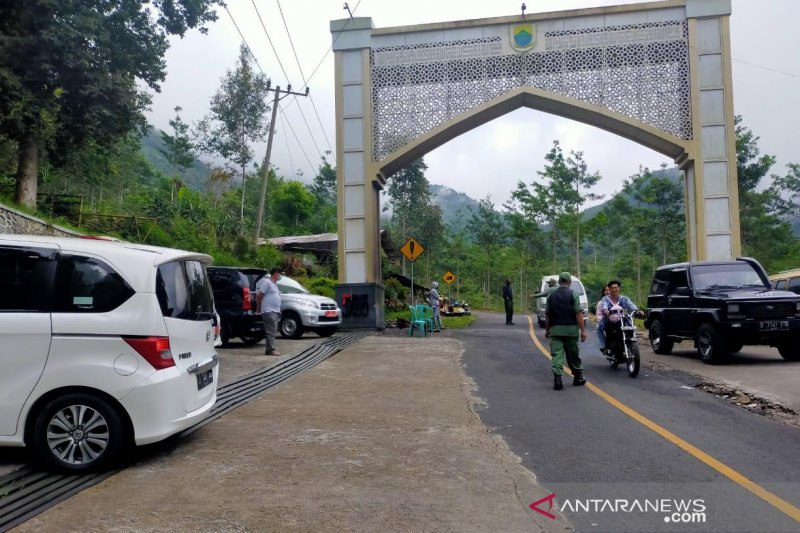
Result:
[{"x": 583, "y": 446}]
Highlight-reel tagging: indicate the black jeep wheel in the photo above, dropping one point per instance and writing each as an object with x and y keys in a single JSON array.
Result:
[
  {"x": 250, "y": 339},
  {"x": 225, "y": 334},
  {"x": 789, "y": 351},
  {"x": 658, "y": 341},
  {"x": 710, "y": 345}
]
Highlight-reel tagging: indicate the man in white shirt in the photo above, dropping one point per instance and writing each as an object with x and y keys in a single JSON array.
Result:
[{"x": 268, "y": 300}]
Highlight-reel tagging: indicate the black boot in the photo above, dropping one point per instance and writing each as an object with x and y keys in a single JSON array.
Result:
[
  {"x": 557, "y": 385},
  {"x": 577, "y": 378}
]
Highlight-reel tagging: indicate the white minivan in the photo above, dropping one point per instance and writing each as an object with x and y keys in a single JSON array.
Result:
[
  {"x": 576, "y": 286},
  {"x": 102, "y": 345}
]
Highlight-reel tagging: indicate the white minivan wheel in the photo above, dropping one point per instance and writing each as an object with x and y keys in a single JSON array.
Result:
[{"x": 79, "y": 432}]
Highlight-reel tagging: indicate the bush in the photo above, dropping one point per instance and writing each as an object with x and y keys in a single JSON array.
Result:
[
  {"x": 321, "y": 286},
  {"x": 395, "y": 294}
]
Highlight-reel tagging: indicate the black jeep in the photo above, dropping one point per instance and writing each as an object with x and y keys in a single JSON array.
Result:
[
  {"x": 234, "y": 299},
  {"x": 721, "y": 306}
]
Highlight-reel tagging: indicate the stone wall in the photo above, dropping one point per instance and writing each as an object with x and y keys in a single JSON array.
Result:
[{"x": 16, "y": 222}]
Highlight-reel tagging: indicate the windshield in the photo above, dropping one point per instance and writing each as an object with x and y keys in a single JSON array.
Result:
[
  {"x": 727, "y": 276},
  {"x": 289, "y": 286},
  {"x": 577, "y": 286}
]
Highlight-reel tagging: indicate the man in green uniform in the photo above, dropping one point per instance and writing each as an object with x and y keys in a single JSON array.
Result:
[{"x": 563, "y": 325}]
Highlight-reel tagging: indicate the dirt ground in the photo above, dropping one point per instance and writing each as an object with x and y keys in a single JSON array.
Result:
[{"x": 381, "y": 437}]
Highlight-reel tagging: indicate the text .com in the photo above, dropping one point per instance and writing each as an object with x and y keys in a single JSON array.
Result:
[{"x": 683, "y": 511}]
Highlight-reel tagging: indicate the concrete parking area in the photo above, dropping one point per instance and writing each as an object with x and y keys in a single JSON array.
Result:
[
  {"x": 382, "y": 436},
  {"x": 236, "y": 360}
]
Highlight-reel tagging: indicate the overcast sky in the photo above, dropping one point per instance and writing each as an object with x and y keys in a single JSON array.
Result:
[{"x": 491, "y": 158}]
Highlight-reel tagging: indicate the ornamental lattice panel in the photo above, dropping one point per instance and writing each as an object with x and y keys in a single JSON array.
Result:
[{"x": 640, "y": 71}]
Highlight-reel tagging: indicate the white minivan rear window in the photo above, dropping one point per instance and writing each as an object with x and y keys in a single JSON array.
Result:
[{"x": 183, "y": 291}]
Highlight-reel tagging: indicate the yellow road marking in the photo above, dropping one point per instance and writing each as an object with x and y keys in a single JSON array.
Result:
[{"x": 777, "y": 502}]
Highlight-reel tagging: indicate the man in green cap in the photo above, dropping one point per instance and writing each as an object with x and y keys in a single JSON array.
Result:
[{"x": 563, "y": 325}]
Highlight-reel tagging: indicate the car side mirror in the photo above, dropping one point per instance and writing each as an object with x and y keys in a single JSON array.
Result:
[{"x": 683, "y": 291}]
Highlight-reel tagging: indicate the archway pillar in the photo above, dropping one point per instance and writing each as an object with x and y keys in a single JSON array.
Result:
[
  {"x": 359, "y": 292},
  {"x": 712, "y": 191}
]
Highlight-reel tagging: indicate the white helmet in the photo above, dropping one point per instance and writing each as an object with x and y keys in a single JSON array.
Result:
[{"x": 435, "y": 285}]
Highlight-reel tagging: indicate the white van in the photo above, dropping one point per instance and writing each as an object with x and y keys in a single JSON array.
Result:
[
  {"x": 103, "y": 345},
  {"x": 576, "y": 286}
]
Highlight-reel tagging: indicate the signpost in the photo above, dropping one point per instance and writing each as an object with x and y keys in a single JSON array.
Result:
[
  {"x": 412, "y": 250},
  {"x": 449, "y": 278}
]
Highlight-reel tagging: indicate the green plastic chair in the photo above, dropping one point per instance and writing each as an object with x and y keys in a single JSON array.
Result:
[
  {"x": 425, "y": 312},
  {"x": 417, "y": 322}
]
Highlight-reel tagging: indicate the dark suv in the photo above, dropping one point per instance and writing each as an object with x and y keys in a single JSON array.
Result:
[
  {"x": 234, "y": 298},
  {"x": 721, "y": 306}
]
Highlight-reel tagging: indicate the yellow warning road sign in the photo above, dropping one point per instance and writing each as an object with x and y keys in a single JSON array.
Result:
[
  {"x": 449, "y": 277},
  {"x": 412, "y": 249}
]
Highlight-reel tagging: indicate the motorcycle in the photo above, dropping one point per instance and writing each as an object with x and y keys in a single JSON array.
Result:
[{"x": 622, "y": 342}]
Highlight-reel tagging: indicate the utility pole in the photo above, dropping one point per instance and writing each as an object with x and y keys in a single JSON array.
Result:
[{"x": 265, "y": 165}]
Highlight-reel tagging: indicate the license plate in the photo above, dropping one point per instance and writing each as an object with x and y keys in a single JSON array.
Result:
[
  {"x": 773, "y": 325},
  {"x": 330, "y": 313},
  {"x": 205, "y": 379}
]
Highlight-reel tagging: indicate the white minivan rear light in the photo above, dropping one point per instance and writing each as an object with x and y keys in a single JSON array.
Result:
[{"x": 155, "y": 350}]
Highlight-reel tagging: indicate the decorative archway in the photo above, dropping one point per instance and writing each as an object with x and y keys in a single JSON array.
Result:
[{"x": 656, "y": 73}]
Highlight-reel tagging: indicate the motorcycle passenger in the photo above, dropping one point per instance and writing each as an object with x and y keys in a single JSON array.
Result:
[
  {"x": 601, "y": 323},
  {"x": 614, "y": 301}
]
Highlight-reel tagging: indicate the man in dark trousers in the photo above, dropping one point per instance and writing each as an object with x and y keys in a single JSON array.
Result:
[
  {"x": 563, "y": 325},
  {"x": 508, "y": 300}
]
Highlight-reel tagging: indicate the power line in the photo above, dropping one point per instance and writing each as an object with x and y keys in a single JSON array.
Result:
[
  {"x": 288, "y": 81},
  {"x": 289, "y": 122},
  {"x": 790, "y": 74},
  {"x": 249, "y": 49},
  {"x": 270, "y": 42},
  {"x": 288, "y": 150},
  {"x": 302, "y": 75},
  {"x": 243, "y": 39},
  {"x": 265, "y": 175},
  {"x": 334, "y": 42}
]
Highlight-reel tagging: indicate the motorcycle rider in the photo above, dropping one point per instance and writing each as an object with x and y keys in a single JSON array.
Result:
[{"x": 613, "y": 301}]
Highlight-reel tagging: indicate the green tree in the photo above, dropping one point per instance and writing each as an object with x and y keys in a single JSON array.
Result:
[
  {"x": 765, "y": 235},
  {"x": 237, "y": 117},
  {"x": 179, "y": 150},
  {"x": 489, "y": 232},
  {"x": 784, "y": 193},
  {"x": 324, "y": 186},
  {"x": 409, "y": 197},
  {"x": 293, "y": 205},
  {"x": 660, "y": 199},
  {"x": 78, "y": 71},
  {"x": 580, "y": 180},
  {"x": 324, "y": 189}
]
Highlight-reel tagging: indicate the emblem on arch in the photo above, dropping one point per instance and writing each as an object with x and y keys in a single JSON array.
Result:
[{"x": 523, "y": 37}]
